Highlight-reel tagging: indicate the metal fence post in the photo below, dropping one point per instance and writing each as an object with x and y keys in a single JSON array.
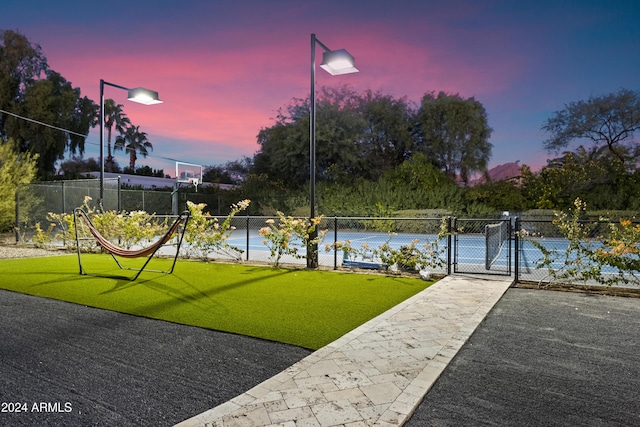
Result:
[
  {"x": 174, "y": 199},
  {"x": 64, "y": 197},
  {"x": 516, "y": 241},
  {"x": 120, "y": 195},
  {"x": 449, "y": 240},
  {"x": 247, "y": 237},
  {"x": 335, "y": 241},
  {"x": 17, "y": 215}
]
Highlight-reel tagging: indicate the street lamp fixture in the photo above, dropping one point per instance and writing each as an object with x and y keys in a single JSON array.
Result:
[
  {"x": 143, "y": 96},
  {"x": 140, "y": 95},
  {"x": 338, "y": 62},
  {"x": 335, "y": 62}
]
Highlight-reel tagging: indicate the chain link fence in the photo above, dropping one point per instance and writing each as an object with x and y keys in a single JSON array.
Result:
[
  {"x": 360, "y": 242},
  {"x": 542, "y": 249},
  {"x": 348, "y": 242},
  {"x": 482, "y": 246},
  {"x": 500, "y": 246},
  {"x": 35, "y": 201}
]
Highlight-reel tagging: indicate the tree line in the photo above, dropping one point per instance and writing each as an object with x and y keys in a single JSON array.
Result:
[
  {"x": 366, "y": 135},
  {"x": 376, "y": 154}
]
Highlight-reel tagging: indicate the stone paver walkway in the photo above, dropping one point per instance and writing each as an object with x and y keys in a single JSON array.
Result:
[{"x": 376, "y": 374}]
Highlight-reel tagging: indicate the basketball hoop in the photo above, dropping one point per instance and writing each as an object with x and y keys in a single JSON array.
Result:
[
  {"x": 188, "y": 173},
  {"x": 194, "y": 182}
]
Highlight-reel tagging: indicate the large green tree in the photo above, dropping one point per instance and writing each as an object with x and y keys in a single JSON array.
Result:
[
  {"x": 454, "y": 133},
  {"x": 498, "y": 196},
  {"x": 46, "y": 115},
  {"x": 387, "y": 140},
  {"x": 339, "y": 132},
  {"x": 231, "y": 172},
  {"x": 284, "y": 154},
  {"x": 414, "y": 184},
  {"x": 78, "y": 168},
  {"x": 356, "y": 136},
  {"x": 53, "y": 107},
  {"x": 594, "y": 178},
  {"x": 21, "y": 63},
  {"x": 284, "y": 147},
  {"x": 608, "y": 122}
]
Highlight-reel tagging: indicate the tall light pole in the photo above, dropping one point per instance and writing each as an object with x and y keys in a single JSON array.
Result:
[
  {"x": 335, "y": 62},
  {"x": 140, "y": 95}
]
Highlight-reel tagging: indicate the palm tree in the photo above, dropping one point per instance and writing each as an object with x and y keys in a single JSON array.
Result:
[
  {"x": 113, "y": 115},
  {"x": 133, "y": 141}
]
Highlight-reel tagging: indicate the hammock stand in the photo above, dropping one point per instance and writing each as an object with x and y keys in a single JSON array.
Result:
[{"x": 116, "y": 251}]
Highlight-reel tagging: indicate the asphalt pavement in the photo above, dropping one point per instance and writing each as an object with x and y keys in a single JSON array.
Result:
[
  {"x": 64, "y": 364},
  {"x": 543, "y": 358},
  {"x": 540, "y": 358}
]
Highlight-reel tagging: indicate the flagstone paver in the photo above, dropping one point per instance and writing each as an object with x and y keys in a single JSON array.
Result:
[{"x": 376, "y": 374}]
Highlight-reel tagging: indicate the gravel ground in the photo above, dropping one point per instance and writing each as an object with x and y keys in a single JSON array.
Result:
[
  {"x": 16, "y": 251},
  {"x": 10, "y": 249}
]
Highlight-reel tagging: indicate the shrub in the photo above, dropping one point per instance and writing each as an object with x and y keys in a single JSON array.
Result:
[
  {"x": 15, "y": 170},
  {"x": 585, "y": 256},
  {"x": 206, "y": 236},
  {"x": 417, "y": 255},
  {"x": 282, "y": 237}
]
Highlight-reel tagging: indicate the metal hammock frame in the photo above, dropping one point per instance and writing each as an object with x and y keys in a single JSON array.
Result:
[{"x": 80, "y": 216}]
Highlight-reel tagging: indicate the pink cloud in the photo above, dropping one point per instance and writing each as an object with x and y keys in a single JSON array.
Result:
[
  {"x": 216, "y": 94},
  {"x": 223, "y": 72}
]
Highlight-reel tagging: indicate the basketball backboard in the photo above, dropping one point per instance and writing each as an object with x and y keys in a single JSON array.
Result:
[{"x": 188, "y": 173}]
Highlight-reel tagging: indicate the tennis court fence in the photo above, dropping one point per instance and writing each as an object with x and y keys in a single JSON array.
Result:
[
  {"x": 359, "y": 242},
  {"x": 448, "y": 244},
  {"x": 34, "y": 201}
]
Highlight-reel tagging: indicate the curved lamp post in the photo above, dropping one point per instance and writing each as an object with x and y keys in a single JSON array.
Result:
[
  {"x": 335, "y": 62},
  {"x": 140, "y": 95}
]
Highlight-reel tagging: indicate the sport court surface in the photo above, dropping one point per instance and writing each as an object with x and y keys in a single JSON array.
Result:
[
  {"x": 539, "y": 358},
  {"x": 471, "y": 249},
  {"x": 544, "y": 358}
]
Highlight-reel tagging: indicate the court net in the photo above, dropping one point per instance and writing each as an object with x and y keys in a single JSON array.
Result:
[{"x": 495, "y": 236}]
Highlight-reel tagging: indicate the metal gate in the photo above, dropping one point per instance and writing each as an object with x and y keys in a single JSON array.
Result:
[{"x": 482, "y": 246}]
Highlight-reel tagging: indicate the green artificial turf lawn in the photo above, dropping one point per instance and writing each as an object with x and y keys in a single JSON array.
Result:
[{"x": 301, "y": 307}]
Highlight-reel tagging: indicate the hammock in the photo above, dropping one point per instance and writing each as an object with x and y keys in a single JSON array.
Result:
[{"x": 116, "y": 251}]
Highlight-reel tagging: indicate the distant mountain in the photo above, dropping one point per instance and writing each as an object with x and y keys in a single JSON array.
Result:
[{"x": 505, "y": 172}]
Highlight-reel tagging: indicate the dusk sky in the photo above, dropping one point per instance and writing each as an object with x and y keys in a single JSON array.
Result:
[{"x": 224, "y": 68}]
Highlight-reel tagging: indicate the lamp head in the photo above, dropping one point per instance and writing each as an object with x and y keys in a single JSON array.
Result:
[
  {"x": 143, "y": 96},
  {"x": 337, "y": 62}
]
